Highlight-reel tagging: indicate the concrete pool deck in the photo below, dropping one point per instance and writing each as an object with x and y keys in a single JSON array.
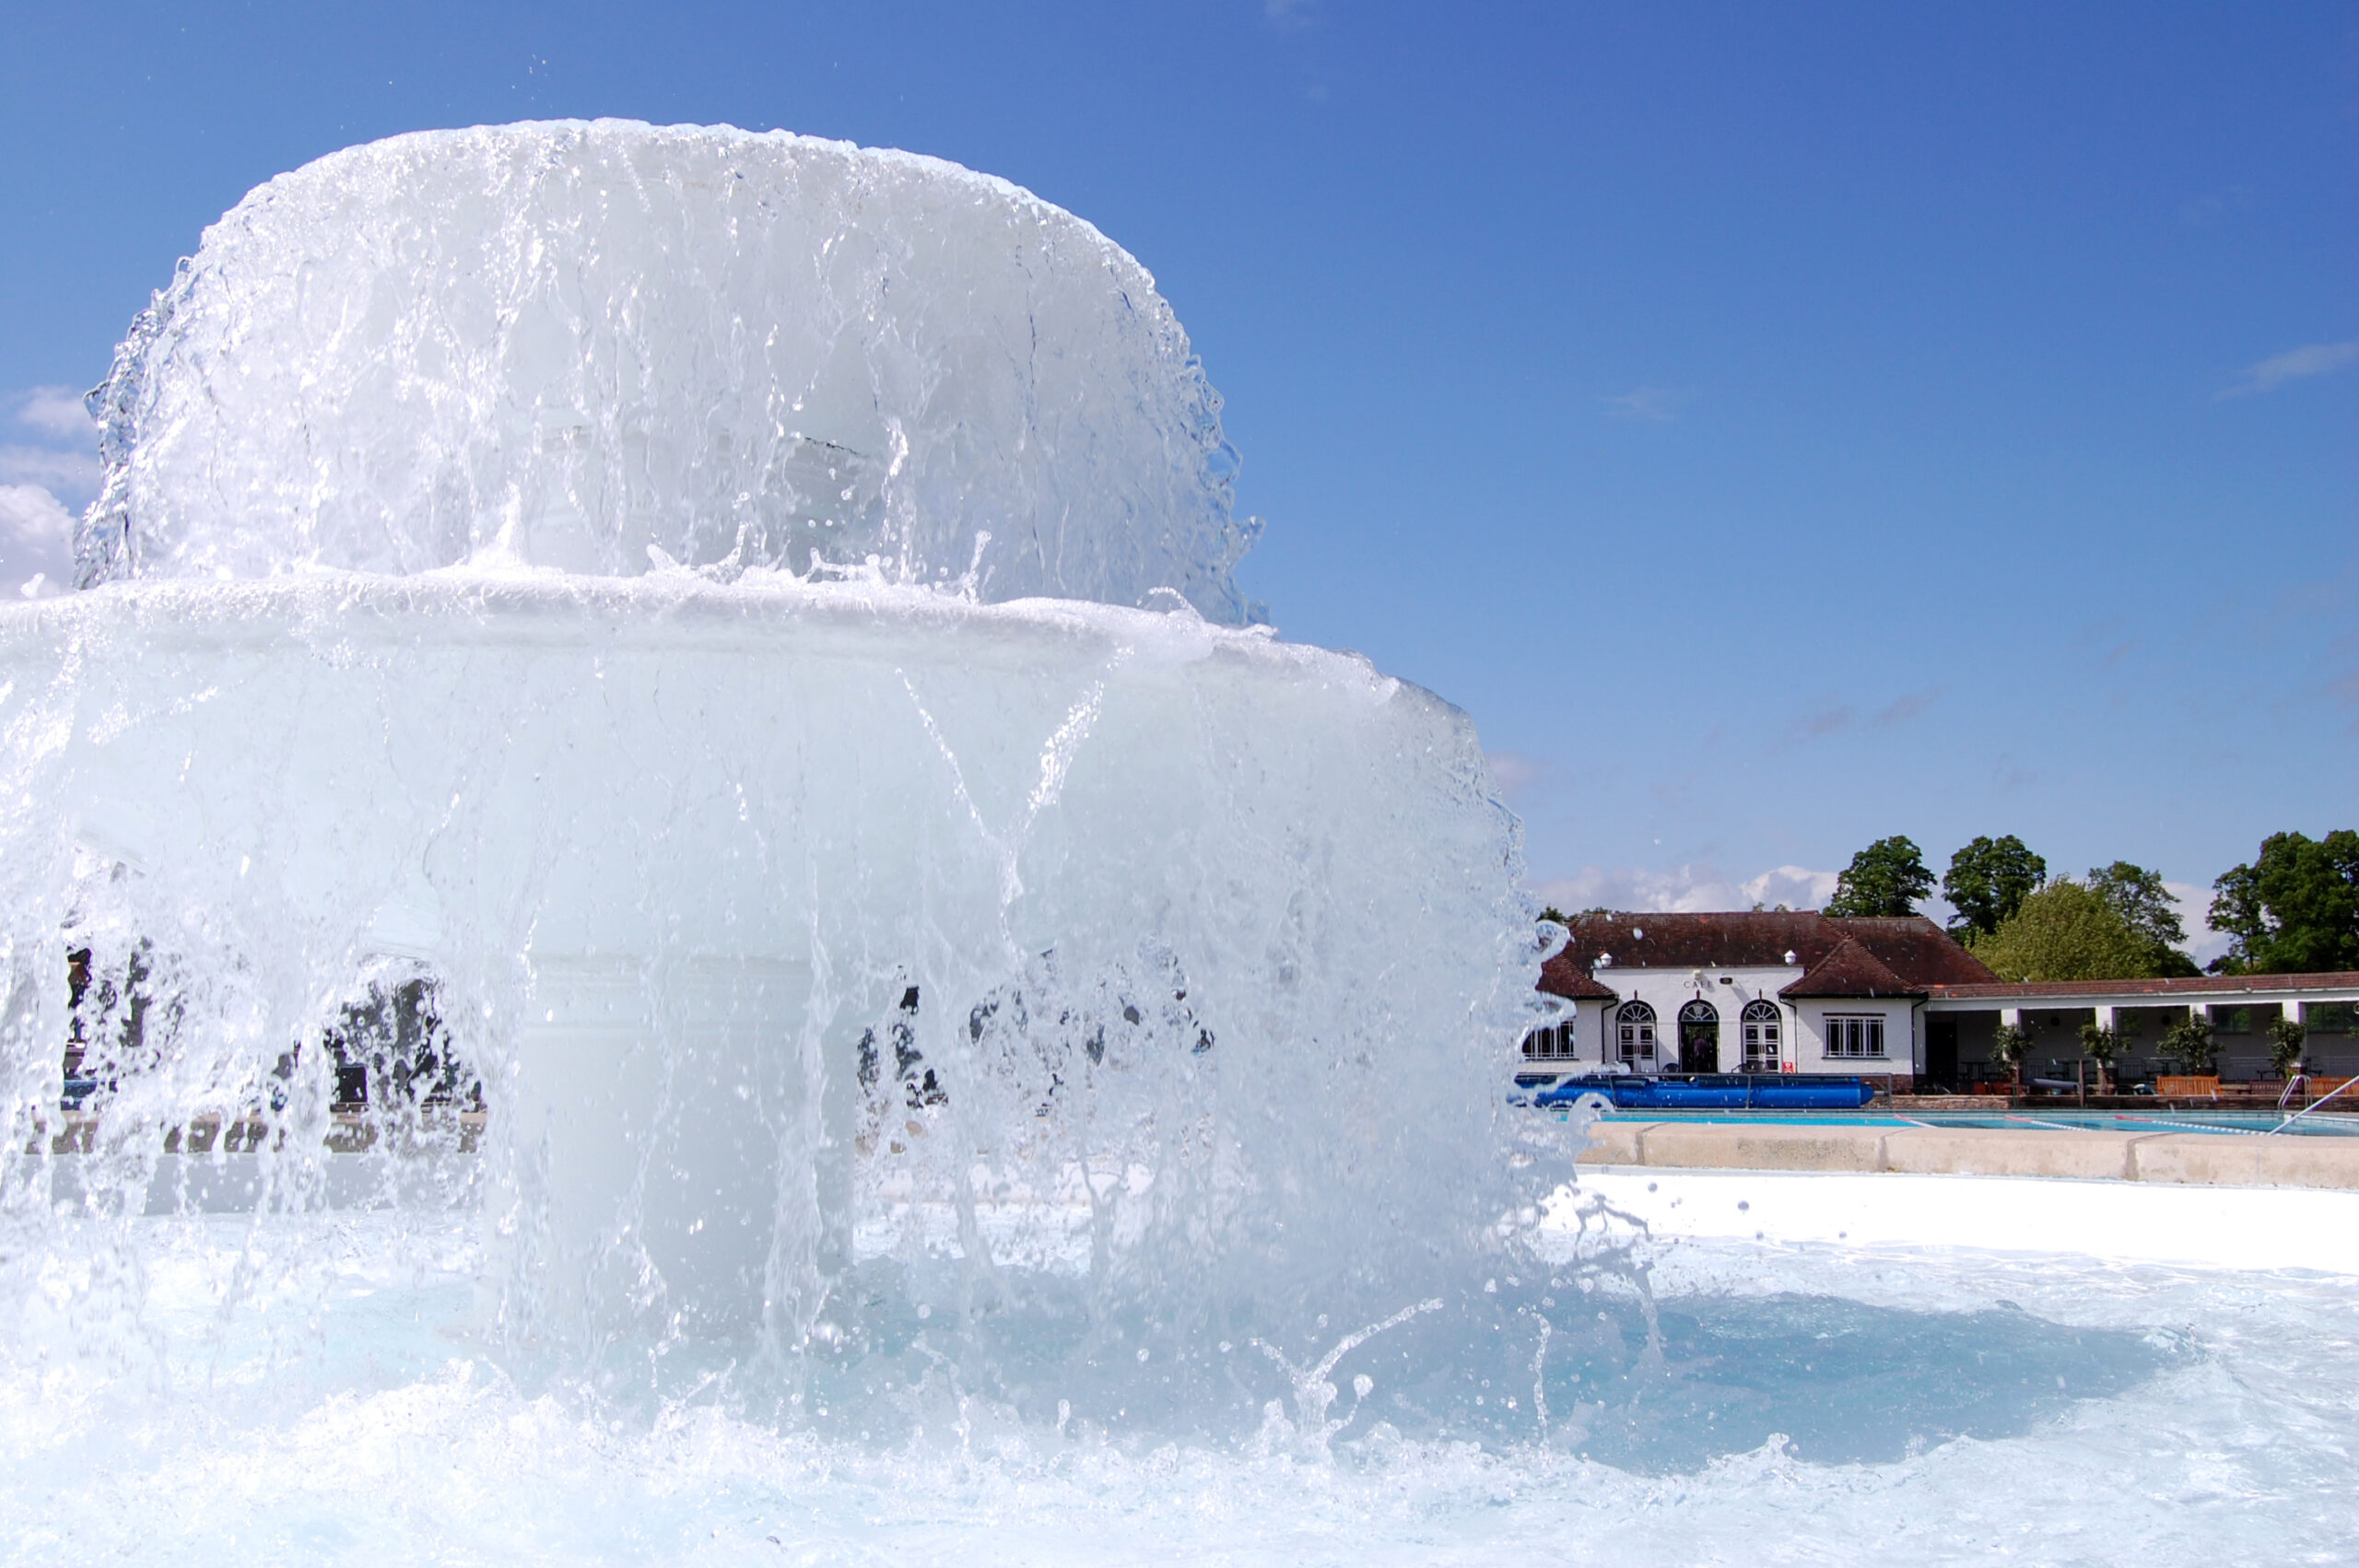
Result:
[{"x": 2209, "y": 1159}]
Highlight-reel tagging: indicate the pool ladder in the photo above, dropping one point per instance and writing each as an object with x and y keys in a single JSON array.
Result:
[{"x": 2306, "y": 1110}]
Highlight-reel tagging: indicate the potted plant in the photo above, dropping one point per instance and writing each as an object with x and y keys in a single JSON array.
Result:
[
  {"x": 2101, "y": 1045},
  {"x": 2285, "y": 1037},
  {"x": 2008, "y": 1048},
  {"x": 2190, "y": 1047}
]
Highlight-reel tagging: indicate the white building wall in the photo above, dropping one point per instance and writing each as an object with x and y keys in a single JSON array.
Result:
[
  {"x": 1900, "y": 1045},
  {"x": 1667, "y": 990}
]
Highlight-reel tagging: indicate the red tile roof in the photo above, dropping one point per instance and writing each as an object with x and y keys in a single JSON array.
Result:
[
  {"x": 1917, "y": 953},
  {"x": 2190, "y": 985},
  {"x": 1563, "y": 975},
  {"x": 1850, "y": 970}
]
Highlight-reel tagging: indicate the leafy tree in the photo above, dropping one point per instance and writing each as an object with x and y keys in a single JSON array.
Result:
[
  {"x": 2147, "y": 907},
  {"x": 2009, "y": 1046},
  {"x": 2101, "y": 1045},
  {"x": 2285, "y": 1037},
  {"x": 2294, "y": 909},
  {"x": 2065, "y": 931},
  {"x": 2187, "y": 1044},
  {"x": 1988, "y": 880},
  {"x": 1553, "y": 913},
  {"x": 1887, "y": 878}
]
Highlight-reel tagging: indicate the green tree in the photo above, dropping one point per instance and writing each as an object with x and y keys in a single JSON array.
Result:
[
  {"x": 2294, "y": 909},
  {"x": 2285, "y": 1037},
  {"x": 2101, "y": 1045},
  {"x": 1887, "y": 878},
  {"x": 2188, "y": 1043},
  {"x": 2065, "y": 932},
  {"x": 1553, "y": 913},
  {"x": 1988, "y": 881},
  {"x": 2147, "y": 907},
  {"x": 2009, "y": 1046}
]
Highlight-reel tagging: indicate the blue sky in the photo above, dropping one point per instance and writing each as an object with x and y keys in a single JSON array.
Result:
[{"x": 1778, "y": 427}]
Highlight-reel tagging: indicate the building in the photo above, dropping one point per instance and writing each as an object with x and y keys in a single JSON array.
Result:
[
  {"x": 1960, "y": 1021},
  {"x": 1895, "y": 1000}
]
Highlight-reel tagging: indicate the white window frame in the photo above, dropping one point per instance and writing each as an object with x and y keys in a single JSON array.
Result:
[
  {"x": 1855, "y": 1036},
  {"x": 1551, "y": 1042},
  {"x": 1764, "y": 1033},
  {"x": 1634, "y": 1037}
]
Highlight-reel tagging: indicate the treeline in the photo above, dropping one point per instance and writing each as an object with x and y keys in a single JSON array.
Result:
[{"x": 2292, "y": 909}]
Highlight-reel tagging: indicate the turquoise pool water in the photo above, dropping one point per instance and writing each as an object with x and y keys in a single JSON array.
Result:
[{"x": 2328, "y": 1124}]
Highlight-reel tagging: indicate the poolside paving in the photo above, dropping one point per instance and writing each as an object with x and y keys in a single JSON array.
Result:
[{"x": 2223, "y": 1159}]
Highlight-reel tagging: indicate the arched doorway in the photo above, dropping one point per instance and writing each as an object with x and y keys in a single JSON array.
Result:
[
  {"x": 1699, "y": 1037},
  {"x": 1633, "y": 1035},
  {"x": 1763, "y": 1037}
]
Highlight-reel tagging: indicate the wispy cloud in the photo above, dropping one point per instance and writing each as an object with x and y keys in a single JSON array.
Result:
[
  {"x": 1836, "y": 719},
  {"x": 1902, "y": 709},
  {"x": 1654, "y": 406},
  {"x": 71, "y": 472},
  {"x": 1686, "y": 888},
  {"x": 2293, "y": 365},
  {"x": 1518, "y": 774},
  {"x": 1290, "y": 13},
  {"x": 57, "y": 413}
]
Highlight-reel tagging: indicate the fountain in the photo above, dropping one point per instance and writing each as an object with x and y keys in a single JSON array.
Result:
[
  {"x": 703, "y": 604},
  {"x": 693, "y": 920}
]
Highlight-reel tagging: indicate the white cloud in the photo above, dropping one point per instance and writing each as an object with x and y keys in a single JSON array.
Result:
[
  {"x": 1685, "y": 889},
  {"x": 1290, "y": 13},
  {"x": 2310, "y": 360},
  {"x": 1516, "y": 773},
  {"x": 1656, "y": 405},
  {"x": 2203, "y": 944},
  {"x": 57, "y": 413},
  {"x": 73, "y": 472},
  {"x": 36, "y": 540}
]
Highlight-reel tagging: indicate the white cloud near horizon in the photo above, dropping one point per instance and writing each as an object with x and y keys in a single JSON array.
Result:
[
  {"x": 57, "y": 413},
  {"x": 76, "y": 473},
  {"x": 2203, "y": 944},
  {"x": 2293, "y": 365},
  {"x": 35, "y": 541},
  {"x": 1689, "y": 889}
]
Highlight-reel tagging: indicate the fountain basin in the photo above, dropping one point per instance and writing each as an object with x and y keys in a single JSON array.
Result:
[{"x": 675, "y": 853}]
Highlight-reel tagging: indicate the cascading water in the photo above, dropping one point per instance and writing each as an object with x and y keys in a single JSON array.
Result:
[
  {"x": 589, "y": 575},
  {"x": 659, "y": 903}
]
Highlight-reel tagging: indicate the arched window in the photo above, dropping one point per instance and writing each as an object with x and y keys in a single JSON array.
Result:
[
  {"x": 1764, "y": 1032},
  {"x": 1699, "y": 1037},
  {"x": 1634, "y": 1031}
]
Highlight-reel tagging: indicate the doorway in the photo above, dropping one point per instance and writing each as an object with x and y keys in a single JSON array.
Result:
[{"x": 1699, "y": 1037}]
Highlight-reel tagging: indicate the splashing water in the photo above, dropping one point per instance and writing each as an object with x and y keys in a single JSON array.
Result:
[{"x": 658, "y": 906}]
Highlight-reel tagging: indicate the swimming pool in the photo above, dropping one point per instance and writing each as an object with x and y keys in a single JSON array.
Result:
[{"x": 2326, "y": 1124}]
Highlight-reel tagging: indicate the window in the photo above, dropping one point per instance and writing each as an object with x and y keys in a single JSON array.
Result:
[
  {"x": 2231, "y": 1020},
  {"x": 1634, "y": 1028},
  {"x": 1552, "y": 1043},
  {"x": 2331, "y": 1017},
  {"x": 1763, "y": 1028},
  {"x": 1850, "y": 1036}
]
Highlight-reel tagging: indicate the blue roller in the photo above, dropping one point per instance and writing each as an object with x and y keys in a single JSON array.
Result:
[{"x": 1708, "y": 1092}]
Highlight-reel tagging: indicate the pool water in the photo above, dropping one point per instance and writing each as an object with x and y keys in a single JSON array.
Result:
[
  {"x": 2324, "y": 1124},
  {"x": 313, "y": 1393}
]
